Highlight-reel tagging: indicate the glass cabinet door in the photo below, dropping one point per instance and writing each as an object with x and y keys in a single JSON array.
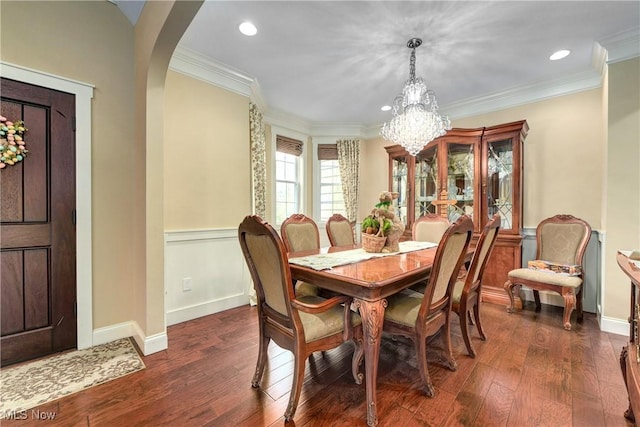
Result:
[
  {"x": 500, "y": 181},
  {"x": 426, "y": 181},
  {"x": 399, "y": 169},
  {"x": 460, "y": 183}
]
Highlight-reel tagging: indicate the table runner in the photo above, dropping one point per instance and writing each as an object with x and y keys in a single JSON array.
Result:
[{"x": 335, "y": 259}]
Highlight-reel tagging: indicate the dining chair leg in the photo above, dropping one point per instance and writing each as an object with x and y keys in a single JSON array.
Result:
[
  {"x": 421, "y": 355},
  {"x": 298, "y": 378},
  {"x": 536, "y": 297},
  {"x": 476, "y": 314},
  {"x": 262, "y": 361},
  {"x": 510, "y": 288},
  {"x": 450, "y": 361},
  {"x": 464, "y": 327},
  {"x": 569, "y": 306}
]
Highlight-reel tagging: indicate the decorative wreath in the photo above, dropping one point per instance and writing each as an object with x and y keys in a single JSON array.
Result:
[{"x": 13, "y": 148}]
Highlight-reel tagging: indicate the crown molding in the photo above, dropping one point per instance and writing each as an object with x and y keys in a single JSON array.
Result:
[
  {"x": 523, "y": 95},
  {"x": 193, "y": 64},
  {"x": 622, "y": 46},
  {"x": 279, "y": 118}
]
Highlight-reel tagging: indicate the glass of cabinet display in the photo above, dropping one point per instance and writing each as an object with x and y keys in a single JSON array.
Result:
[
  {"x": 500, "y": 181},
  {"x": 399, "y": 178},
  {"x": 427, "y": 183},
  {"x": 460, "y": 182}
]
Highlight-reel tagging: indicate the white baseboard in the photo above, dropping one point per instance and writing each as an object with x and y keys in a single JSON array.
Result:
[
  {"x": 206, "y": 308},
  {"x": 148, "y": 345},
  {"x": 614, "y": 326}
]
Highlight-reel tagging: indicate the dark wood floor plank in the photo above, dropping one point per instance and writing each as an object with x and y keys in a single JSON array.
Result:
[
  {"x": 496, "y": 406},
  {"x": 530, "y": 371},
  {"x": 587, "y": 410}
]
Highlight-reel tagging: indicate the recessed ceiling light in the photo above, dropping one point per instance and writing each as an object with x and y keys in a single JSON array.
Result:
[
  {"x": 386, "y": 108},
  {"x": 248, "y": 29},
  {"x": 560, "y": 54}
]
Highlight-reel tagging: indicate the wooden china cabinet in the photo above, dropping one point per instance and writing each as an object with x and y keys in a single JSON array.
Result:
[{"x": 475, "y": 172}]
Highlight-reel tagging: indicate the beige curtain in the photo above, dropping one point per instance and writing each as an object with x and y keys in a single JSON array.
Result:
[
  {"x": 349, "y": 161},
  {"x": 258, "y": 160}
]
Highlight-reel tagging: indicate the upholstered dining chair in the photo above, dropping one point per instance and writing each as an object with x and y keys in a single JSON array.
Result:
[
  {"x": 340, "y": 231},
  {"x": 300, "y": 233},
  {"x": 301, "y": 325},
  {"x": 561, "y": 243},
  {"x": 466, "y": 292},
  {"x": 429, "y": 228},
  {"x": 419, "y": 316}
]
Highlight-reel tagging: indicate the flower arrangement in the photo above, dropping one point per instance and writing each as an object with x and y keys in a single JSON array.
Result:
[
  {"x": 12, "y": 145},
  {"x": 381, "y": 230}
]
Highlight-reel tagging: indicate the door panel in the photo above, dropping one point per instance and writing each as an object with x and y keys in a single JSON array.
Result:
[{"x": 37, "y": 234}]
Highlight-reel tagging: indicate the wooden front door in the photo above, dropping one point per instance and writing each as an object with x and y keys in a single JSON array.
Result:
[{"x": 37, "y": 226}]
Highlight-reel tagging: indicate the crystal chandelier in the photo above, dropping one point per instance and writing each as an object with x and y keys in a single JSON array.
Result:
[{"x": 416, "y": 120}]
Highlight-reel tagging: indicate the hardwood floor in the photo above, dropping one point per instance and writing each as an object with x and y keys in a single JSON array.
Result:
[{"x": 530, "y": 372}]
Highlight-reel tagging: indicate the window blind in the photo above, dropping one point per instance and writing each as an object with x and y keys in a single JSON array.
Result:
[
  {"x": 327, "y": 152},
  {"x": 288, "y": 145}
]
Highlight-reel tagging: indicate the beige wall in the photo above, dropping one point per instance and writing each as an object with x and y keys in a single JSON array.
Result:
[
  {"x": 207, "y": 176},
  {"x": 622, "y": 202},
  {"x": 91, "y": 42},
  {"x": 374, "y": 173}
]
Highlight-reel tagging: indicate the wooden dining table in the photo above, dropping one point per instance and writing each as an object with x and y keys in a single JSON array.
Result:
[{"x": 369, "y": 282}]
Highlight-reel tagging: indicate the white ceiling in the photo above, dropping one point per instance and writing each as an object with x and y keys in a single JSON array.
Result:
[{"x": 331, "y": 62}]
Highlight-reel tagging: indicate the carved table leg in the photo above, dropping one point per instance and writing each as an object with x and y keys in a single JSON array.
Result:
[
  {"x": 372, "y": 313},
  {"x": 628, "y": 414}
]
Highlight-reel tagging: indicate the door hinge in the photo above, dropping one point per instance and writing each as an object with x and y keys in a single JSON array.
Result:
[
  {"x": 75, "y": 309},
  {"x": 73, "y": 123},
  {"x": 73, "y": 217}
]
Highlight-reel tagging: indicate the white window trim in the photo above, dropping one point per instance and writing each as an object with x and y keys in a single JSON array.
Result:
[{"x": 302, "y": 196}]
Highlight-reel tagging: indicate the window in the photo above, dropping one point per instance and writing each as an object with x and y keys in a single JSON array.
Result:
[
  {"x": 287, "y": 198},
  {"x": 331, "y": 198}
]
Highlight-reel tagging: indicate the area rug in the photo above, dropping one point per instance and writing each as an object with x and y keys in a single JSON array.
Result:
[{"x": 31, "y": 384}]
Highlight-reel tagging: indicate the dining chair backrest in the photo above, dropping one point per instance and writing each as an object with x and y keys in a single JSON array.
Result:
[
  {"x": 339, "y": 231},
  {"x": 448, "y": 259},
  {"x": 300, "y": 233},
  {"x": 483, "y": 249},
  {"x": 562, "y": 239},
  {"x": 429, "y": 228},
  {"x": 268, "y": 264}
]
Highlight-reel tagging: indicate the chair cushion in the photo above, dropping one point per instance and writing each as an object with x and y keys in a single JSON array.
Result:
[
  {"x": 305, "y": 289},
  {"x": 545, "y": 277},
  {"x": 322, "y": 325},
  {"x": 403, "y": 307}
]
